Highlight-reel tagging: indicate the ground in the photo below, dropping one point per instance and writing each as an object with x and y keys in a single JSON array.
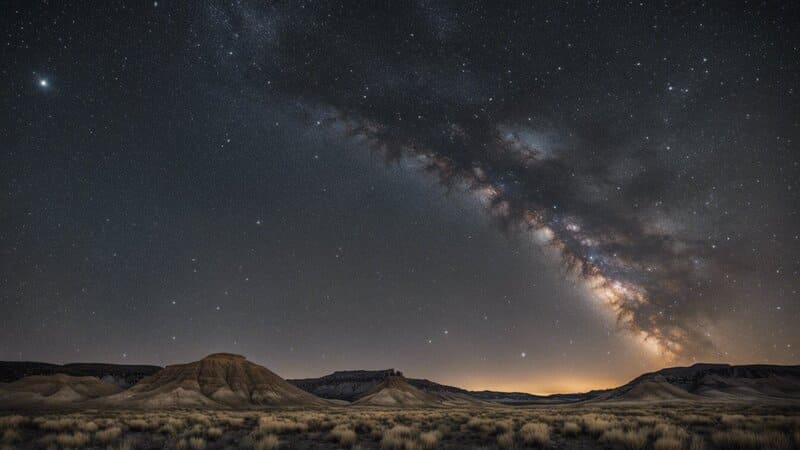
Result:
[{"x": 670, "y": 426}]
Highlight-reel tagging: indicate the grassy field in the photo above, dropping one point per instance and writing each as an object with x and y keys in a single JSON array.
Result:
[{"x": 658, "y": 427}]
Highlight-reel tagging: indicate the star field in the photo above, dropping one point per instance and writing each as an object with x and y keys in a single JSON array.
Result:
[{"x": 533, "y": 197}]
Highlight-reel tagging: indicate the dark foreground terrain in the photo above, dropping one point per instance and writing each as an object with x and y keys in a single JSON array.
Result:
[{"x": 659, "y": 426}]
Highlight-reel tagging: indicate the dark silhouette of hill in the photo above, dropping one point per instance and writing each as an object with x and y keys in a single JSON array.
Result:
[
  {"x": 697, "y": 382},
  {"x": 350, "y": 385},
  {"x": 122, "y": 375}
]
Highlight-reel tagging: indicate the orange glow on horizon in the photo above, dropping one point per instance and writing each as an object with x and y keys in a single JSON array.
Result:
[{"x": 553, "y": 385}]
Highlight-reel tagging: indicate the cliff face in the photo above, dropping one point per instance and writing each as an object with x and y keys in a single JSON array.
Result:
[{"x": 346, "y": 385}]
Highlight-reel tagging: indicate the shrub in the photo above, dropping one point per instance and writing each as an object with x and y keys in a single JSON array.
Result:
[
  {"x": 747, "y": 440},
  {"x": 571, "y": 429},
  {"x": 535, "y": 433},
  {"x": 12, "y": 421},
  {"x": 505, "y": 440},
  {"x": 696, "y": 419},
  {"x": 595, "y": 424},
  {"x": 235, "y": 422},
  {"x": 76, "y": 440},
  {"x": 55, "y": 424},
  {"x": 344, "y": 435},
  {"x": 271, "y": 424},
  {"x": 667, "y": 443},
  {"x": 108, "y": 435},
  {"x": 430, "y": 439},
  {"x": 398, "y": 437},
  {"x": 628, "y": 440},
  {"x": 732, "y": 419},
  {"x": 87, "y": 426},
  {"x": 214, "y": 433},
  {"x": 480, "y": 424},
  {"x": 268, "y": 442},
  {"x": 197, "y": 443}
]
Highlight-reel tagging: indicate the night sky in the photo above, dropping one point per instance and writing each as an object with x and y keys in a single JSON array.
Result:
[{"x": 531, "y": 197}]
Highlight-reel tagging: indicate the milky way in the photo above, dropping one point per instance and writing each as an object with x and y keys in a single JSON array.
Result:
[{"x": 483, "y": 113}]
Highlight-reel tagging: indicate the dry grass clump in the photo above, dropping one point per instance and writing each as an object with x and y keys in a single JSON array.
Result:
[
  {"x": 55, "y": 424},
  {"x": 316, "y": 421},
  {"x": 268, "y": 442},
  {"x": 505, "y": 440},
  {"x": 503, "y": 426},
  {"x": 571, "y": 429},
  {"x": 669, "y": 436},
  {"x": 87, "y": 426},
  {"x": 535, "y": 433},
  {"x": 619, "y": 438},
  {"x": 272, "y": 424},
  {"x": 480, "y": 424},
  {"x": 489, "y": 426},
  {"x": 74, "y": 440},
  {"x": 214, "y": 432},
  {"x": 171, "y": 426},
  {"x": 126, "y": 444},
  {"x": 596, "y": 424},
  {"x": 108, "y": 435},
  {"x": 344, "y": 435},
  {"x": 667, "y": 443},
  {"x": 230, "y": 421},
  {"x": 430, "y": 439},
  {"x": 193, "y": 443},
  {"x": 199, "y": 419},
  {"x": 696, "y": 419},
  {"x": 750, "y": 440},
  {"x": 138, "y": 424},
  {"x": 399, "y": 437},
  {"x": 12, "y": 421},
  {"x": 732, "y": 419}
]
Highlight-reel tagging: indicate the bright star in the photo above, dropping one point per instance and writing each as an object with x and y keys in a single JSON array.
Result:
[{"x": 43, "y": 83}]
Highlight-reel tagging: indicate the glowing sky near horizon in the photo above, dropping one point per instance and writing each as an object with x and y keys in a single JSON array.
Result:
[{"x": 537, "y": 198}]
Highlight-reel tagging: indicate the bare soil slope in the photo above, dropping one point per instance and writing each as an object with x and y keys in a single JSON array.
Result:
[
  {"x": 220, "y": 379},
  {"x": 396, "y": 391},
  {"x": 53, "y": 390}
]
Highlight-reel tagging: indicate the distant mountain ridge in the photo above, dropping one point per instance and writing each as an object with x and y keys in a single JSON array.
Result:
[
  {"x": 231, "y": 381},
  {"x": 702, "y": 380},
  {"x": 122, "y": 375}
]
